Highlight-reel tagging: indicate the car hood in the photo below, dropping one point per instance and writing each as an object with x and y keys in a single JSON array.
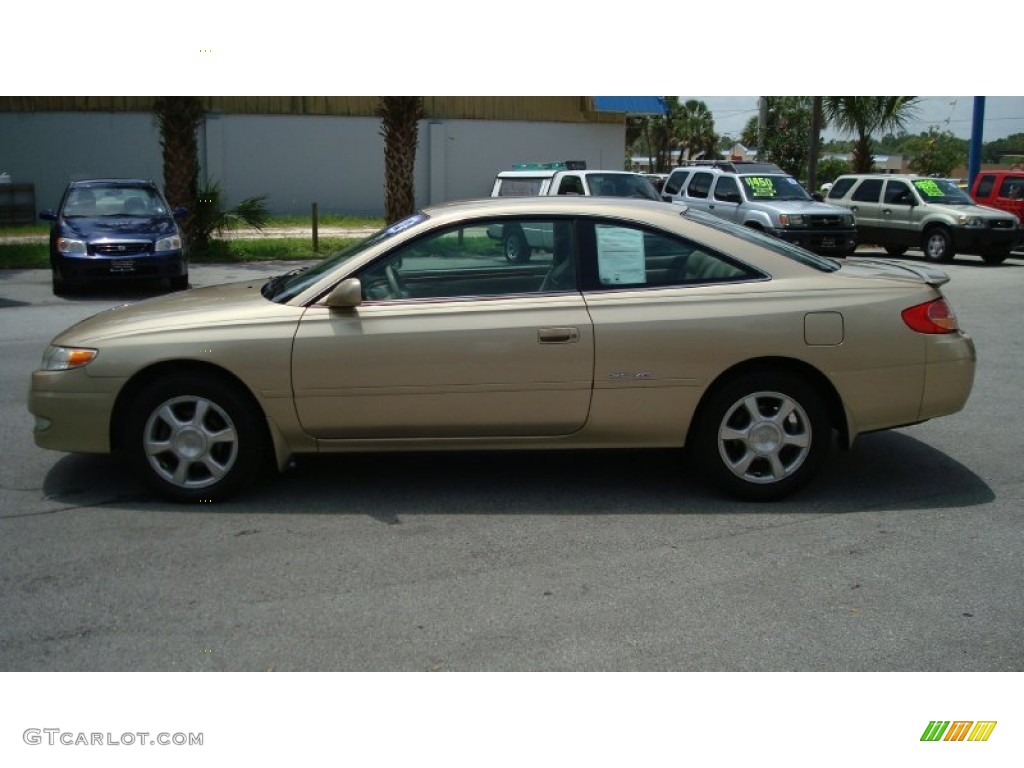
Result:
[
  {"x": 978, "y": 211},
  {"x": 237, "y": 304},
  {"x": 118, "y": 227},
  {"x": 808, "y": 207}
]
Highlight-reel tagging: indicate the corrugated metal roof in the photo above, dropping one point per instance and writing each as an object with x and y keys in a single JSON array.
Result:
[{"x": 637, "y": 105}]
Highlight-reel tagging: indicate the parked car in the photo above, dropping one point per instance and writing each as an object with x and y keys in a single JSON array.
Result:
[
  {"x": 764, "y": 197},
  {"x": 562, "y": 178},
  {"x": 113, "y": 229},
  {"x": 1002, "y": 190},
  {"x": 645, "y": 325},
  {"x": 900, "y": 211}
]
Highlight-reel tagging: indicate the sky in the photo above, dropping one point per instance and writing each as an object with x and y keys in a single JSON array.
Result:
[{"x": 1004, "y": 115}]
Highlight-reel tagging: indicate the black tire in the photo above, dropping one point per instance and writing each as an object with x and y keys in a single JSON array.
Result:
[
  {"x": 995, "y": 257},
  {"x": 895, "y": 250},
  {"x": 938, "y": 245},
  {"x": 167, "y": 438},
  {"x": 60, "y": 285},
  {"x": 179, "y": 283},
  {"x": 514, "y": 245},
  {"x": 768, "y": 454}
]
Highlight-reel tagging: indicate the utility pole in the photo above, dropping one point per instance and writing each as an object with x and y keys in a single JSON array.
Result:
[
  {"x": 812, "y": 160},
  {"x": 762, "y": 125},
  {"x": 977, "y": 130}
]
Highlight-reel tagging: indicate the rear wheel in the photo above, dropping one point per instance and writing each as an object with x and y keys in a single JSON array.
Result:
[
  {"x": 763, "y": 436},
  {"x": 514, "y": 245},
  {"x": 938, "y": 245},
  {"x": 895, "y": 250},
  {"x": 995, "y": 256},
  {"x": 195, "y": 438}
]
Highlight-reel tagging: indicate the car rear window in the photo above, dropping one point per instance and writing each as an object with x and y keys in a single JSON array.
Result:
[
  {"x": 781, "y": 247},
  {"x": 520, "y": 187}
]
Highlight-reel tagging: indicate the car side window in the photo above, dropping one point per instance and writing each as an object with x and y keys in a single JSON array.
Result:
[
  {"x": 623, "y": 256},
  {"x": 869, "y": 191},
  {"x": 700, "y": 186},
  {"x": 1012, "y": 187},
  {"x": 482, "y": 259},
  {"x": 898, "y": 193},
  {"x": 985, "y": 185},
  {"x": 571, "y": 185},
  {"x": 675, "y": 182},
  {"x": 727, "y": 190}
]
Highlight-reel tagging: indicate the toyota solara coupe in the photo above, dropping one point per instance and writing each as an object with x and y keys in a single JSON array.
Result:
[{"x": 641, "y": 324}]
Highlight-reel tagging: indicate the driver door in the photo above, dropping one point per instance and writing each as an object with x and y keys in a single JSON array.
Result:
[{"x": 451, "y": 341}]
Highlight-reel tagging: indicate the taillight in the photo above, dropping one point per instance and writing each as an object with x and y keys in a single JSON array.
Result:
[{"x": 931, "y": 317}]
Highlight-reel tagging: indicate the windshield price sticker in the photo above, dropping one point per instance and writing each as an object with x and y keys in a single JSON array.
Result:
[
  {"x": 929, "y": 188},
  {"x": 760, "y": 186}
]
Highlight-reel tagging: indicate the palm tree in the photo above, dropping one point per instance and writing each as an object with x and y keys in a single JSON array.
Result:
[
  {"x": 178, "y": 118},
  {"x": 695, "y": 130},
  {"x": 864, "y": 115},
  {"x": 399, "y": 125}
]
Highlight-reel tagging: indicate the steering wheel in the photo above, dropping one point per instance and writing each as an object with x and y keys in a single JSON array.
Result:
[{"x": 394, "y": 283}]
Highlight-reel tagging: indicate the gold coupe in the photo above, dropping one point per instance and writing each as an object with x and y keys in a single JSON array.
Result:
[{"x": 628, "y": 323}]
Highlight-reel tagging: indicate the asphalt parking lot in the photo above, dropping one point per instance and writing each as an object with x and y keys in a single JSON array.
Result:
[{"x": 905, "y": 554}]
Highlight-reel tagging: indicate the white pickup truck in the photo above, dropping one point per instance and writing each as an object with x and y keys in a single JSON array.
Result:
[{"x": 568, "y": 178}]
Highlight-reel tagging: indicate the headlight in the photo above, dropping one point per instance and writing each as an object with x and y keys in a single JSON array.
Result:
[
  {"x": 68, "y": 246},
  {"x": 788, "y": 220},
  {"x": 168, "y": 244},
  {"x": 65, "y": 358},
  {"x": 971, "y": 222}
]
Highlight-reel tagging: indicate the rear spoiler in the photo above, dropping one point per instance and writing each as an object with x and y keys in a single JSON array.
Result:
[{"x": 931, "y": 275}]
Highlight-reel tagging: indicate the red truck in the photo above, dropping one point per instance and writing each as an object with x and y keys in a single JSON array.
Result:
[{"x": 1003, "y": 190}]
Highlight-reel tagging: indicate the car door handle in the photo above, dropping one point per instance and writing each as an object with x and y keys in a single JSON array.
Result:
[{"x": 558, "y": 335}]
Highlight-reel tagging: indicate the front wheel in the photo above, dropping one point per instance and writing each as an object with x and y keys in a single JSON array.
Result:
[
  {"x": 195, "y": 438},
  {"x": 763, "y": 436},
  {"x": 179, "y": 282},
  {"x": 938, "y": 245}
]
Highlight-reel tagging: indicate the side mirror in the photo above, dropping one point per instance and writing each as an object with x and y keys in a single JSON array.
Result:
[
  {"x": 346, "y": 295},
  {"x": 180, "y": 212},
  {"x": 818, "y": 197},
  {"x": 49, "y": 214}
]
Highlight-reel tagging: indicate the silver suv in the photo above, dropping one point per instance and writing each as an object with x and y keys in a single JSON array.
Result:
[
  {"x": 905, "y": 211},
  {"x": 763, "y": 196}
]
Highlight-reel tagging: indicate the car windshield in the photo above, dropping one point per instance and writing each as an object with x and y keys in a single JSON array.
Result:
[
  {"x": 941, "y": 191},
  {"x": 621, "y": 185},
  {"x": 773, "y": 187},
  {"x": 780, "y": 247},
  {"x": 112, "y": 200},
  {"x": 289, "y": 285}
]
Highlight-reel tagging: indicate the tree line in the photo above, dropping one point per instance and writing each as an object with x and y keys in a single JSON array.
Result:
[{"x": 687, "y": 132}]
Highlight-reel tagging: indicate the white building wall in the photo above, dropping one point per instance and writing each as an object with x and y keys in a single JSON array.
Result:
[
  {"x": 336, "y": 162},
  {"x": 49, "y": 149}
]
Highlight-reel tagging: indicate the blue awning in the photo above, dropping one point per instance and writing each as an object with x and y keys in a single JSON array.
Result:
[{"x": 634, "y": 105}]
